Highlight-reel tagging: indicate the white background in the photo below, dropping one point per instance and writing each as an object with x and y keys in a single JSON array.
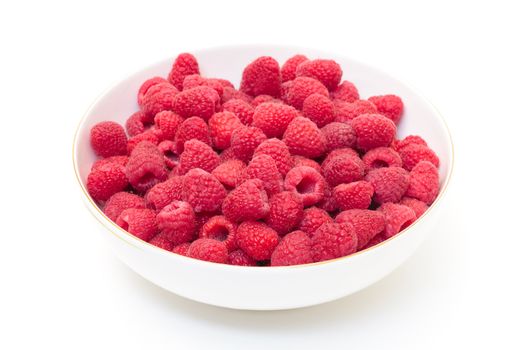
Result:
[{"x": 60, "y": 286}]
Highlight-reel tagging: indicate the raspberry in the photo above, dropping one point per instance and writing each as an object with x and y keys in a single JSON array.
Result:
[
  {"x": 303, "y": 87},
  {"x": 203, "y": 192},
  {"x": 148, "y": 136},
  {"x": 262, "y": 76},
  {"x": 220, "y": 228},
  {"x": 304, "y": 138},
  {"x": 398, "y": 145},
  {"x": 168, "y": 122},
  {"x": 263, "y": 168},
  {"x": 342, "y": 168},
  {"x": 242, "y": 109},
  {"x": 286, "y": 211},
  {"x": 260, "y": 99},
  {"x": 229, "y": 172},
  {"x": 319, "y": 109},
  {"x": 381, "y": 157},
  {"x": 307, "y": 182},
  {"x": 366, "y": 223},
  {"x": 181, "y": 249},
  {"x": 245, "y": 140},
  {"x": 288, "y": 70},
  {"x": 121, "y": 201},
  {"x": 145, "y": 167},
  {"x": 257, "y": 239},
  {"x": 195, "y": 80},
  {"x": 340, "y": 152},
  {"x": 333, "y": 241},
  {"x": 327, "y": 72},
  {"x": 424, "y": 182},
  {"x": 373, "y": 130},
  {"x": 293, "y": 249},
  {"x": 374, "y": 241},
  {"x": 284, "y": 90},
  {"x": 354, "y": 195},
  {"x": 176, "y": 221},
  {"x": 106, "y": 180},
  {"x": 185, "y": 64},
  {"x": 239, "y": 258},
  {"x": 418, "y": 207},
  {"x": 120, "y": 160},
  {"x": 312, "y": 219},
  {"x": 198, "y": 155},
  {"x": 397, "y": 216},
  {"x": 327, "y": 202},
  {"x": 227, "y": 154},
  {"x": 346, "y": 111},
  {"x": 246, "y": 202},
  {"x": 390, "y": 106},
  {"x": 140, "y": 223},
  {"x": 108, "y": 139},
  {"x": 338, "y": 135},
  {"x": 273, "y": 118},
  {"x": 146, "y": 86},
  {"x": 346, "y": 91},
  {"x": 158, "y": 98},
  {"x": 168, "y": 150},
  {"x": 225, "y": 83},
  {"x": 304, "y": 161},
  {"x": 201, "y": 101},
  {"x": 221, "y": 126},
  {"x": 161, "y": 240},
  {"x": 164, "y": 193},
  {"x": 190, "y": 129},
  {"x": 389, "y": 184},
  {"x": 208, "y": 250},
  {"x": 134, "y": 124},
  {"x": 277, "y": 150},
  {"x": 229, "y": 93},
  {"x": 413, "y": 154}
]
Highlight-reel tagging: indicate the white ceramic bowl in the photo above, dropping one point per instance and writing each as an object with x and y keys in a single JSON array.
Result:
[{"x": 266, "y": 288}]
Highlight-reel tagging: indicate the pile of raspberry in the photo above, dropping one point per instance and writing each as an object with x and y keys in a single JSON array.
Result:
[{"x": 293, "y": 167}]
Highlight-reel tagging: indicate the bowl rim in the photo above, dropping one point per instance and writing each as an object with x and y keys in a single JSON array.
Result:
[{"x": 138, "y": 243}]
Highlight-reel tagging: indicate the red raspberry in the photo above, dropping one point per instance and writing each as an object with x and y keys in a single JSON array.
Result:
[
  {"x": 134, "y": 124},
  {"x": 373, "y": 130},
  {"x": 389, "y": 184},
  {"x": 288, "y": 70},
  {"x": 220, "y": 228},
  {"x": 304, "y": 138},
  {"x": 208, "y": 250},
  {"x": 293, "y": 249},
  {"x": 418, "y": 207},
  {"x": 203, "y": 191},
  {"x": 201, "y": 101},
  {"x": 286, "y": 211},
  {"x": 346, "y": 91},
  {"x": 195, "y": 80},
  {"x": 146, "y": 86},
  {"x": 221, "y": 126},
  {"x": 145, "y": 167},
  {"x": 227, "y": 154},
  {"x": 121, "y": 201},
  {"x": 381, "y": 157},
  {"x": 257, "y": 239},
  {"x": 284, "y": 90},
  {"x": 164, "y": 193},
  {"x": 162, "y": 241},
  {"x": 397, "y": 145},
  {"x": 354, "y": 195},
  {"x": 424, "y": 182},
  {"x": 366, "y": 223},
  {"x": 190, "y": 129},
  {"x": 198, "y": 155},
  {"x": 105, "y": 180},
  {"x": 177, "y": 222},
  {"x": 312, "y": 219},
  {"x": 239, "y": 258},
  {"x": 228, "y": 173},
  {"x": 185, "y": 64},
  {"x": 340, "y": 152},
  {"x": 224, "y": 82},
  {"x": 108, "y": 139},
  {"x": 242, "y": 109},
  {"x": 319, "y": 109},
  {"x": 327, "y": 202},
  {"x": 326, "y": 71},
  {"x": 245, "y": 140},
  {"x": 181, "y": 249},
  {"x": 148, "y": 136},
  {"x": 303, "y": 87},
  {"x": 260, "y": 99},
  {"x": 120, "y": 160},
  {"x": 307, "y": 182},
  {"x": 262, "y": 76},
  {"x": 374, "y": 241},
  {"x": 338, "y": 135},
  {"x": 304, "y": 161},
  {"x": 338, "y": 169},
  {"x": 230, "y": 93},
  {"x": 333, "y": 241},
  {"x": 346, "y": 111},
  {"x": 263, "y": 168},
  {"x": 140, "y": 223},
  {"x": 413, "y": 154},
  {"x": 397, "y": 216},
  {"x": 168, "y": 122},
  {"x": 277, "y": 150},
  {"x": 247, "y": 202},
  {"x": 168, "y": 150},
  {"x": 390, "y": 106},
  {"x": 273, "y": 118},
  {"x": 158, "y": 98}
]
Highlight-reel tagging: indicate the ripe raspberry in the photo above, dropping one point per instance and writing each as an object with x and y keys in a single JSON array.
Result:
[
  {"x": 140, "y": 223},
  {"x": 389, "y": 184},
  {"x": 381, "y": 157},
  {"x": 158, "y": 98},
  {"x": 312, "y": 219},
  {"x": 168, "y": 122},
  {"x": 220, "y": 228},
  {"x": 198, "y": 155},
  {"x": 208, "y": 250},
  {"x": 121, "y": 201},
  {"x": 247, "y": 202},
  {"x": 398, "y": 145},
  {"x": 201, "y": 101},
  {"x": 354, "y": 195},
  {"x": 304, "y": 138},
  {"x": 230, "y": 93},
  {"x": 390, "y": 106},
  {"x": 168, "y": 150},
  {"x": 273, "y": 118},
  {"x": 286, "y": 211},
  {"x": 307, "y": 182},
  {"x": 108, "y": 139},
  {"x": 224, "y": 82},
  {"x": 263, "y": 168},
  {"x": 340, "y": 152},
  {"x": 260, "y": 99},
  {"x": 146, "y": 86},
  {"x": 366, "y": 223},
  {"x": 319, "y": 109},
  {"x": 333, "y": 241},
  {"x": 192, "y": 128},
  {"x": 304, "y": 161},
  {"x": 346, "y": 91},
  {"x": 418, "y": 207},
  {"x": 374, "y": 241},
  {"x": 181, "y": 249},
  {"x": 134, "y": 124},
  {"x": 338, "y": 135},
  {"x": 245, "y": 140},
  {"x": 262, "y": 76},
  {"x": 106, "y": 180},
  {"x": 203, "y": 191},
  {"x": 257, "y": 239},
  {"x": 397, "y": 216},
  {"x": 341, "y": 169},
  {"x": 242, "y": 109},
  {"x": 288, "y": 70},
  {"x": 228, "y": 173},
  {"x": 162, "y": 241},
  {"x": 177, "y": 222},
  {"x": 373, "y": 130},
  {"x": 293, "y": 249},
  {"x": 239, "y": 258},
  {"x": 413, "y": 154},
  {"x": 346, "y": 111},
  {"x": 145, "y": 167},
  {"x": 120, "y": 160},
  {"x": 424, "y": 182},
  {"x": 284, "y": 90},
  {"x": 327, "y": 202},
  {"x": 185, "y": 64},
  {"x": 221, "y": 126},
  {"x": 326, "y": 71},
  {"x": 164, "y": 193},
  {"x": 277, "y": 150},
  {"x": 303, "y": 87},
  {"x": 195, "y": 80},
  {"x": 148, "y": 136},
  {"x": 227, "y": 154}
]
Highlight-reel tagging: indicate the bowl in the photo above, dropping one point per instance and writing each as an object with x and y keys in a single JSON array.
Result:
[{"x": 266, "y": 288}]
